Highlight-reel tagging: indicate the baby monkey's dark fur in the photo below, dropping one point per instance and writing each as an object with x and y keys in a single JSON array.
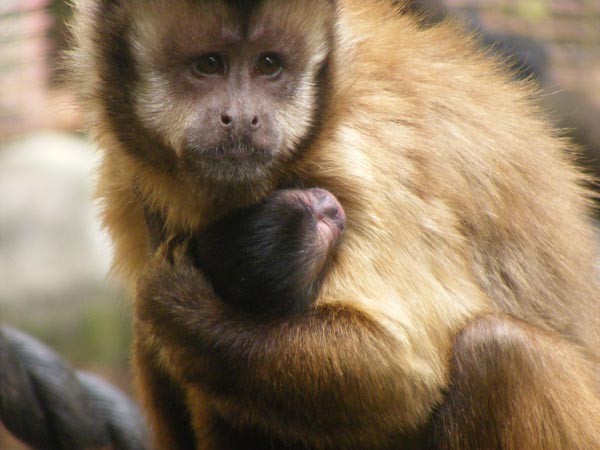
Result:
[{"x": 271, "y": 257}]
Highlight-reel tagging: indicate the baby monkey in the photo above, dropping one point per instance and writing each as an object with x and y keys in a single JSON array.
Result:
[{"x": 271, "y": 257}]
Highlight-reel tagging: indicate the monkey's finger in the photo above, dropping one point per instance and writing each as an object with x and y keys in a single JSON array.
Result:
[
  {"x": 182, "y": 253},
  {"x": 154, "y": 221},
  {"x": 156, "y": 227},
  {"x": 169, "y": 249}
]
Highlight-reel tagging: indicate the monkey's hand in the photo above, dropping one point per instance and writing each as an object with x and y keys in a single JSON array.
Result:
[
  {"x": 171, "y": 288},
  {"x": 306, "y": 371}
]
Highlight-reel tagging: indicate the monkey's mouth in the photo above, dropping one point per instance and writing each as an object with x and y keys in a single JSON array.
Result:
[
  {"x": 231, "y": 164},
  {"x": 239, "y": 152}
]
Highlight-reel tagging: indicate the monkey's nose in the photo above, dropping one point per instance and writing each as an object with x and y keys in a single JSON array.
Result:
[
  {"x": 230, "y": 121},
  {"x": 255, "y": 123},
  {"x": 226, "y": 120},
  {"x": 328, "y": 208}
]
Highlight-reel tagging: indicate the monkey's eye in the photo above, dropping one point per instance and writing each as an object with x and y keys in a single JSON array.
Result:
[
  {"x": 209, "y": 64},
  {"x": 269, "y": 65}
]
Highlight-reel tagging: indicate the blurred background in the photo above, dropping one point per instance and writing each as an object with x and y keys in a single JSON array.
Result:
[{"x": 54, "y": 258}]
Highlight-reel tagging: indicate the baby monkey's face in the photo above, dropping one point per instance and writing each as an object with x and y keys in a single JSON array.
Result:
[
  {"x": 271, "y": 258},
  {"x": 231, "y": 87}
]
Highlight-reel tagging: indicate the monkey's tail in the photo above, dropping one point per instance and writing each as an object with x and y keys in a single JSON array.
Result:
[{"x": 49, "y": 405}]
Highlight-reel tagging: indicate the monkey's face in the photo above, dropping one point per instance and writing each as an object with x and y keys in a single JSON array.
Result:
[{"x": 232, "y": 88}]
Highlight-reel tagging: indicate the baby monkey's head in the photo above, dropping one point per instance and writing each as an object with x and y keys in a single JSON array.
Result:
[{"x": 271, "y": 258}]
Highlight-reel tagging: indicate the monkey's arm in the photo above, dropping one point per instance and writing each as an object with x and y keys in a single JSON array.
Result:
[
  {"x": 516, "y": 387},
  {"x": 292, "y": 368},
  {"x": 512, "y": 386}
]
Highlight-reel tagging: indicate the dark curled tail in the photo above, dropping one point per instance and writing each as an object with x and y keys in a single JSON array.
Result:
[{"x": 48, "y": 405}]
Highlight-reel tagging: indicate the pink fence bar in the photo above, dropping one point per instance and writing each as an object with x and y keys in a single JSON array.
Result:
[{"x": 24, "y": 72}]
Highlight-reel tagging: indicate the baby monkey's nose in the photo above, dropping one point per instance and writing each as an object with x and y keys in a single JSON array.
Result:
[{"x": 327, "y": 207}]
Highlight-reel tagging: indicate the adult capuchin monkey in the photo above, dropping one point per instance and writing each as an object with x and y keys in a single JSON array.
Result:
[{"x": 460, "y": 309}]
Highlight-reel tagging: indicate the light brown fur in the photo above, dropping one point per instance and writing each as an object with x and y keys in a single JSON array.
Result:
[{"x": 461, "y": 201}]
